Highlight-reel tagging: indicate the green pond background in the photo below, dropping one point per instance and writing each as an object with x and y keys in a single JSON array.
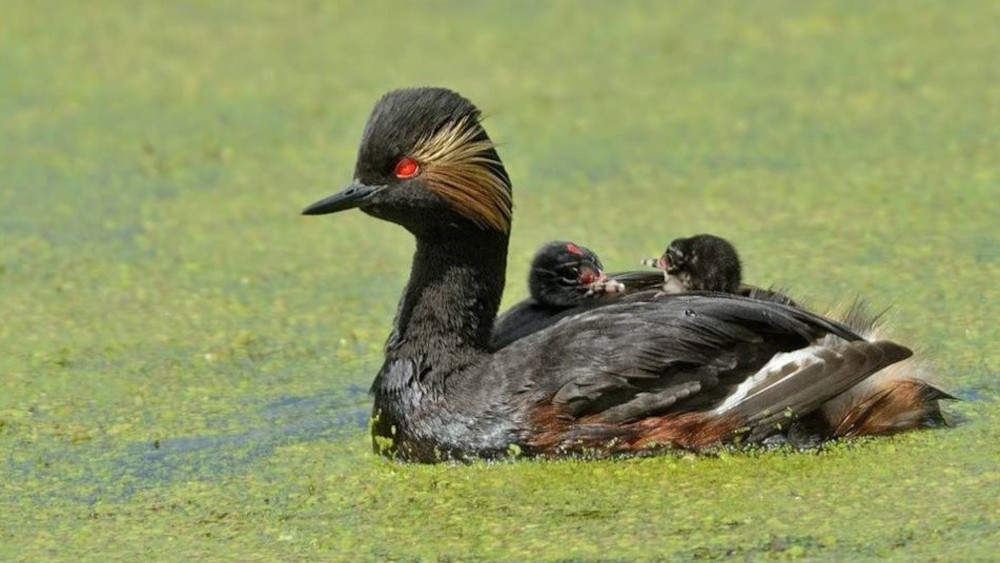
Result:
[{"x": 185, "y": 360}]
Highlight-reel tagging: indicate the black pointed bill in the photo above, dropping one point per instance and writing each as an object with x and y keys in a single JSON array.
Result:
[{"x": 353, "y": 196}]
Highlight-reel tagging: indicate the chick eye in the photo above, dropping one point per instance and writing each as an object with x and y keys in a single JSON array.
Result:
[
  {"x": 588, "y": 277},
  {"x": 406, "y": 168}
]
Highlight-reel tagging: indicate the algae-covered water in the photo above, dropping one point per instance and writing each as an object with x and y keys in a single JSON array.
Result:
[{"x": 184, "y": 360}]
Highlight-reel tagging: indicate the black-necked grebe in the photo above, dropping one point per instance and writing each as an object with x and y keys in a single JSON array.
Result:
[{"x": 653, "y": 371}]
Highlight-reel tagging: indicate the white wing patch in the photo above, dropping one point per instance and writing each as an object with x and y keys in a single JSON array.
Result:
[{"x": 780, "y": 368}]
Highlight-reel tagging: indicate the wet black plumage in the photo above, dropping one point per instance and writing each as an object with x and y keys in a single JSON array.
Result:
[{"x": 650, "y": 372}]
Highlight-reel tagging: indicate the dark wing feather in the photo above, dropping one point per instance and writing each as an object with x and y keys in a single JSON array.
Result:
[
  {"x": 633, "y": 360},
  {"x": 521, "y": 320},
  {"x": 647, "y": 403}
]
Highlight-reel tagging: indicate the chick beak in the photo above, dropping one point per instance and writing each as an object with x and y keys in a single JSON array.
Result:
[
  {"x": 661, "y": 263},
  {"x": 604, "y": 284},
  {"x": 355, "y": 194}
]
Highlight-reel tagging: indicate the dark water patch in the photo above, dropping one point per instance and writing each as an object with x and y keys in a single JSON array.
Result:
[
  {"x": 973, "y": 393},
  {"x": 103, "y": 471},
  {"x": 211, "y": 457}
]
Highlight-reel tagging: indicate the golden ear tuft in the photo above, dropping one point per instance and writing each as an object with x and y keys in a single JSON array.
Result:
[{"x": 459, "y": 168}]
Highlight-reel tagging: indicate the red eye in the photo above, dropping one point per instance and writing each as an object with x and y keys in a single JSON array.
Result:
[
  {"x": 588, "y": 277},
  {"x": 406, "y": 168}
]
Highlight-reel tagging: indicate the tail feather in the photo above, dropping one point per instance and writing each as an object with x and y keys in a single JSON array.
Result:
[
  {"x": 897, "y": 398},
  {"x": 892, "y": 406}
]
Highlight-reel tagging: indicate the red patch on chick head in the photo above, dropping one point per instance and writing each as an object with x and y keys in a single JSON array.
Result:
[{"x": 574, "y": 249}]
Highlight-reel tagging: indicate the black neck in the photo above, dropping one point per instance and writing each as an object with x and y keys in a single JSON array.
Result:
[{"x": 446, "y": 313}]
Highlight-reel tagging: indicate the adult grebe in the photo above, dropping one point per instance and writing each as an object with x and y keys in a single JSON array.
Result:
[{"x": 656, "y": 372}]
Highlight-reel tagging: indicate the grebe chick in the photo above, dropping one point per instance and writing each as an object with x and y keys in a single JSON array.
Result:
[
  {"x": 564, "y": 274},
  {"x": 700, "y": 263}
]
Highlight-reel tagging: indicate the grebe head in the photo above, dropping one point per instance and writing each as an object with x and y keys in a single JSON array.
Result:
[{"x": 425, "y": 162}]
